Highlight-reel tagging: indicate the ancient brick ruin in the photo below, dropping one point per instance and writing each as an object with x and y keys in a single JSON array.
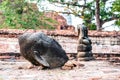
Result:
[{"x": 102, "y": 42}]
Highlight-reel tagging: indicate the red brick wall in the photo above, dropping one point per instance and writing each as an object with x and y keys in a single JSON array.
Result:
[{"x": 103, "y": 42}]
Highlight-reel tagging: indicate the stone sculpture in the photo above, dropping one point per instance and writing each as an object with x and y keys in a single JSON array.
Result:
[
  {"x": 42, "y": 50},
  {"x": 84, "y": 44}
]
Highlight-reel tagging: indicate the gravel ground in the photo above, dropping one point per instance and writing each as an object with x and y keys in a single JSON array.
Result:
[{"x": 93, "y": 70}]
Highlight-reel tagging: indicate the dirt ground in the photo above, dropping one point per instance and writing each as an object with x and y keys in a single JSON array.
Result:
[{"x": 92, "y": 70}]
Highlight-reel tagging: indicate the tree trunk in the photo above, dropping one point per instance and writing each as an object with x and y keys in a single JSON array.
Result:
[{"x": 97, "y": 14}]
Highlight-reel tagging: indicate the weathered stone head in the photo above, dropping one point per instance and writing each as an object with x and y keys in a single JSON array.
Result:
[{"x": 40, "y": 49}]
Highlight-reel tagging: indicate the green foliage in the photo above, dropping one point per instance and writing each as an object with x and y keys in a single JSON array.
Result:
[
  {"x": 22, "y": 15},
  {"x": 116, "y": 9},
  {"x": 116, "y": 6},
  {"x": 62, "y": 0},
  {"x": 118, "y": 22},
  {"x": 105, "y": 14},
  {"x": 88, "y": 15},
  {"x": 92, "y": 26}
]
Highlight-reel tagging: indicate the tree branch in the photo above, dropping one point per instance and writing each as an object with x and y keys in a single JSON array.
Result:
[
  {"x": 70, "y": 3},
  {"x": 110, "y": 19}
]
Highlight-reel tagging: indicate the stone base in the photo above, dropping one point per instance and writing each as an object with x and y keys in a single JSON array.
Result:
[{"x": 85, "y": 56}]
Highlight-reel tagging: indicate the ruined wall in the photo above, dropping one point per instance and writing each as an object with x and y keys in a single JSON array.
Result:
[
  {"x": 102, "y": 42},
  {"x": 99, "y": 44}
]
